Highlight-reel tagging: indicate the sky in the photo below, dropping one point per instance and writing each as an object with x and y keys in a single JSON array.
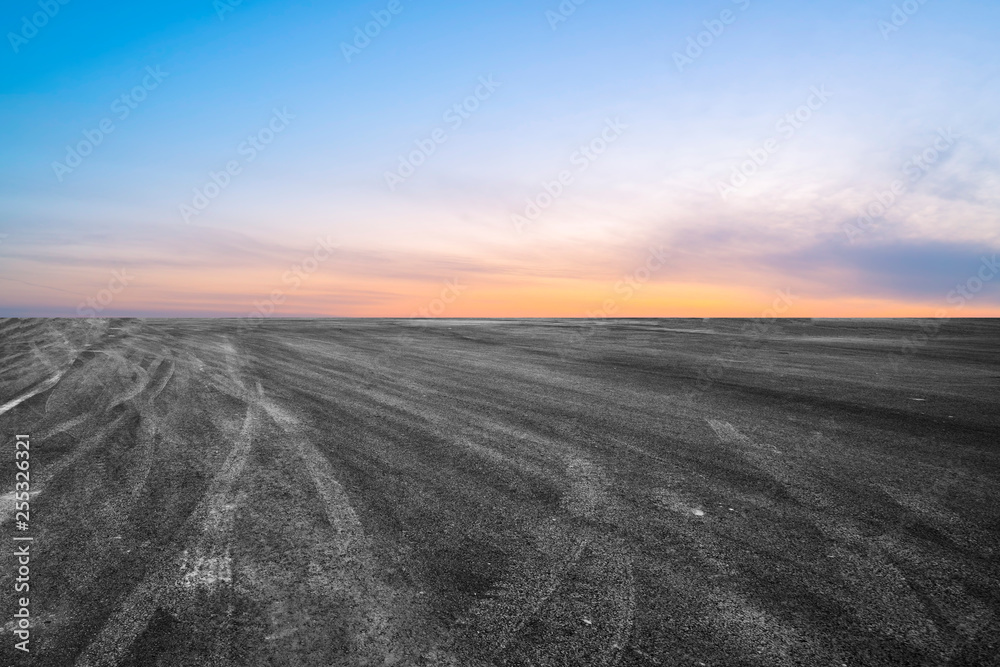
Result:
[{"x": 411, "y": 158}]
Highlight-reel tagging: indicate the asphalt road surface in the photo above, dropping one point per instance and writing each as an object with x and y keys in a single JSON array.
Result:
[{"x": 476, "y": 492}]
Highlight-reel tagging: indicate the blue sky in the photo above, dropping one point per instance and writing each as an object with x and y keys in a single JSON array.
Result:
[{"x": 888, "y": 92}]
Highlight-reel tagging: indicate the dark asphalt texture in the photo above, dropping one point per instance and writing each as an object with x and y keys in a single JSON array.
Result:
[{"x": 505, "y": 492}]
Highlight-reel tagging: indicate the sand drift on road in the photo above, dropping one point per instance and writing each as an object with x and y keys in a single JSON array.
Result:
[{"x": 505, "y": 492}]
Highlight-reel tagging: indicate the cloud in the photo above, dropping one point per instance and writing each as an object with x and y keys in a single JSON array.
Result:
[
  {"x": 828, "y": 265},
  {"x": 913, "y": 270}
]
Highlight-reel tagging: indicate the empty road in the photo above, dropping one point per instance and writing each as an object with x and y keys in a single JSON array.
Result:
[{"x": 505, "y": 492}]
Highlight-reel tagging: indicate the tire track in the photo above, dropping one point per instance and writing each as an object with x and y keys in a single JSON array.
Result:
[
  {"x": 625, "y": 621},
  {"x": 209, "y": 564},
  {"x": 587, "y": 497},
  {"x": 146, "y": 433},
  {"x": 513, "y": 597},
  {"x": 592, "y": 583},
  {"x": 379, "y": 619},
  {"x": 614, "y": 584},
  {"x": 37, "y": 389},
  {"x": 211, "y": 561},
  {"x": 39, "y": 484},
  {"x": 161, "y": 384},
  {"x": 728, "y": 435},
  {"x": 151, "y": 426},
  {"x": 8, "y": 504}
]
